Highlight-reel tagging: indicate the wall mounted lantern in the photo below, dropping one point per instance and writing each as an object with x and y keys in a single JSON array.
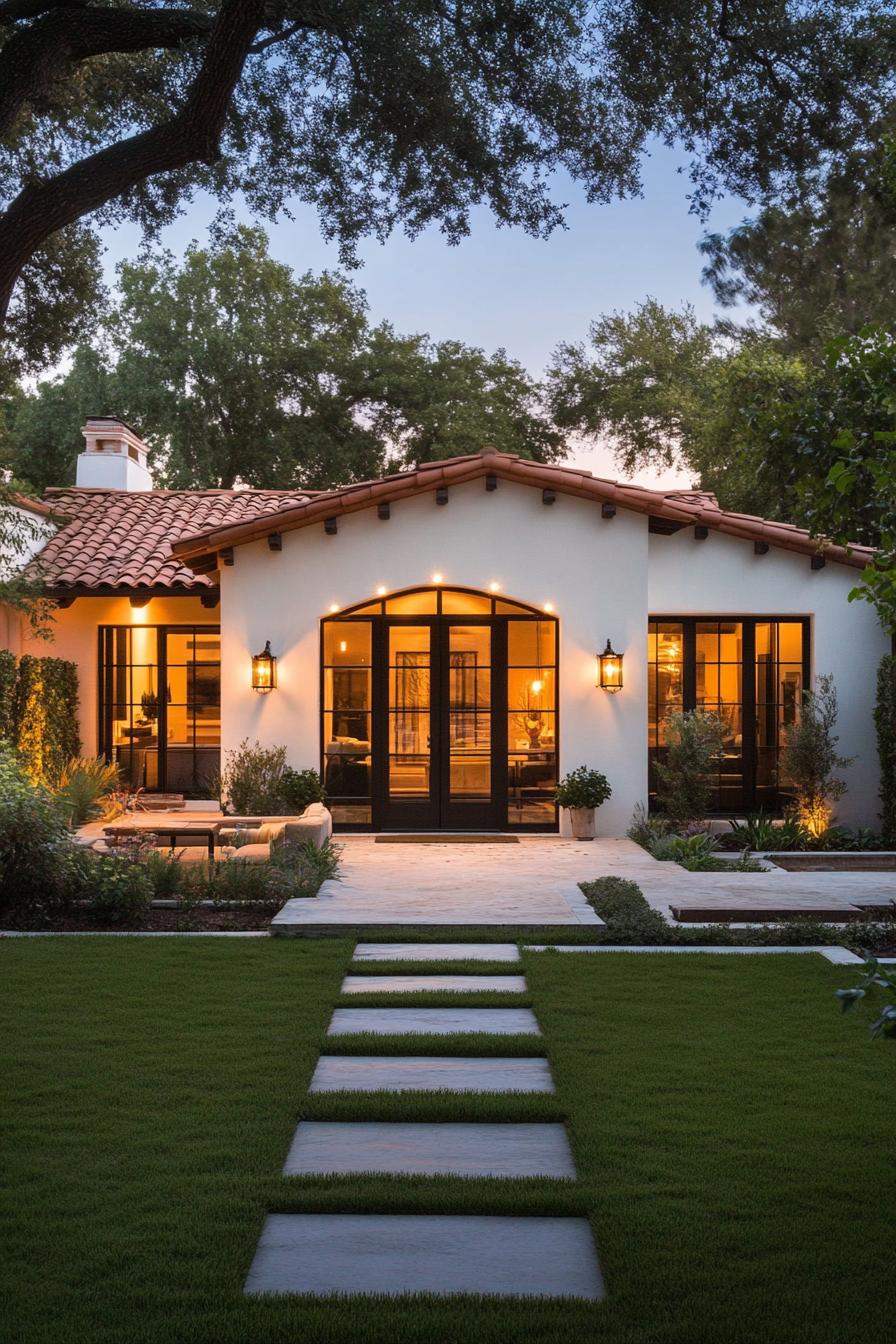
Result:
[
  {"x": 609, "y": 664},
  {"x": 264, "y": 670}
]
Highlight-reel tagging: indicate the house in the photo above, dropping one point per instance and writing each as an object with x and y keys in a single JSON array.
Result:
[{"x": 435, "y": 637}]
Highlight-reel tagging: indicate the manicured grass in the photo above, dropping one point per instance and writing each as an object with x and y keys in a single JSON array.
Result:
[{"x": 733, "y": 1137}]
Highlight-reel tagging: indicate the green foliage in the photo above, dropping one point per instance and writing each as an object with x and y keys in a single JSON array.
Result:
[
  {"x": 647, "y": 828},
  {"x": 409, "y": 117},
  {"x": 695, "y": 742},
  {"x": 809, "y": 757},
  {"x": 33, "y": 846},
  {"x": 760, "y": 832},
  {"x": 43, "y": 436},
  {"x": 630, "y": 921},
  {"x": 110, "y": 891},
  {"x": 8, "y": 667},
  {"x": 815, "y": 268},
  {"x": 885, "y": 724},
  {"x": 307, "y": 864},
  {"x": 301, "y": 788},
  {"x": 252, "y": 779},
  {"x": 227, "y": 352},
  {"x": 83, "y": 785},
  {"x": 583, "y": 788},
  {"x": 46, "y": 716},
  {"x": 876, "y": 978}
]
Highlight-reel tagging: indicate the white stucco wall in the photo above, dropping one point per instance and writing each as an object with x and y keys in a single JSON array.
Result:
[
  {"x": 722, "y": 576},
  {"x": 593, "y": 571}
]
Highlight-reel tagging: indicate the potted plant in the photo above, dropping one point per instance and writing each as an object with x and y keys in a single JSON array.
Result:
[{"x": 582, "y": 791}]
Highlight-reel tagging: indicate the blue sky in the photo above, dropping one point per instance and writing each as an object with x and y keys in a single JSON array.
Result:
[{"x": 501, "y": 288}]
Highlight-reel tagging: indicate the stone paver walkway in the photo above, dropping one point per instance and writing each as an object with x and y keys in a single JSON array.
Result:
[
  {"x": 447, "y": 984},
  {"x": 437, "y": 952},
  {"x": 321, "y": 1149},
  {"x": 434, "y": 1021},
  {"x": 395, "y": 1254}
]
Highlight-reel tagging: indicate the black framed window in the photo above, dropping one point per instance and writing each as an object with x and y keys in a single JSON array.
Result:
[
  {"x": 160, "y": 705},
  {"x": 751, "y": 672}
]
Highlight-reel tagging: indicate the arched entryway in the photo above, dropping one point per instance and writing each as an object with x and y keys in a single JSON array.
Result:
[{"x": 439, "y": 711}]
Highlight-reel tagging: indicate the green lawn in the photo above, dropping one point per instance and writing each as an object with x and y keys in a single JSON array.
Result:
[{"x": 733, "y": 1135}]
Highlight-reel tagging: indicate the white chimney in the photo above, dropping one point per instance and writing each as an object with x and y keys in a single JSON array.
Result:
[{"x": 114, "y": 458}]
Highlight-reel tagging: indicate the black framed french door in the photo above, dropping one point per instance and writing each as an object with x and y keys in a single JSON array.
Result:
[
  {"x": 439, "y": 742},
  {"x": 439, "y": 710}
]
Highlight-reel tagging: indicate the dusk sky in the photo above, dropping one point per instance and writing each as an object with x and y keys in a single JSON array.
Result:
[{"x": 500, "y": 287}]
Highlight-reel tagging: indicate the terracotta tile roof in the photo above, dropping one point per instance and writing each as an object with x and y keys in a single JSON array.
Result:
[
  {"x": 113, "y": 539},
  {"x": 674, "y": 507}
]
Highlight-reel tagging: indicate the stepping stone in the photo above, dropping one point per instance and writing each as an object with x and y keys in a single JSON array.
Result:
[
  {"x": 434, "y": 1021},
  {"x": 437, "y": 952},
  {"x": 395, "y": 1254},
  {"x": 430, "y": 1149},
  {"x": 423, "y": 1073},
  {"x": 409, "y": 984}
]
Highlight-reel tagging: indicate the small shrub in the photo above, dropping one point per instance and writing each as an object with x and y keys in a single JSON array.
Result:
[
  {"x": 251, "y": 779},
  {"x": 810, "y": 758},
  {"x": 696, "y": 852},
  {"x": 695, "y": 742},
  {"x": 34, "y": 846},
  {"x": 646, "y": 827},
  {"x": 627, "y": 915},
  {"x": 759, "y": 832},
  {"x": 84, "y": 788},
  {"x": 583, "y": 788},
  {"x": 111, "y": 890},
  {"x": 299, "y": 789},
  {"x": 885, "y": 724},
  {"x": 308, "y": 865},
  {"x": 165, "y": 872}
]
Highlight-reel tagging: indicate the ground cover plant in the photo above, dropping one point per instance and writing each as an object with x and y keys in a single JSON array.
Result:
[
  {"x": 154, "y": 1087},
  {"x": 630, "y": 920}
]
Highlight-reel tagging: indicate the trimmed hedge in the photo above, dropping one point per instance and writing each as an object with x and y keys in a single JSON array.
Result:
[
  {"x": 629, "y": 920},
  {"x": 39, "y": 713},
  {"x": 885, "y": 723}
]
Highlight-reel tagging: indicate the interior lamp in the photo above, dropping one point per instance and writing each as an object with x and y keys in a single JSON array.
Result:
[
  {"x": 264, "y": 670},
  {"x": 609, "y": 664}
]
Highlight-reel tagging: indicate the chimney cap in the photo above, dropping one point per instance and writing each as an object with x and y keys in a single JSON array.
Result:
[{"x": 111, "y": 420}]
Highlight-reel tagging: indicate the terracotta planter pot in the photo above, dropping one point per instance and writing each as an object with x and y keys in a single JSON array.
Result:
[{"x": 582, "y": 819}]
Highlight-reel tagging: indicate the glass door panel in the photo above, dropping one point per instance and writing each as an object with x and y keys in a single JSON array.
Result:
[
  {"x": 410, "y": 745},
  {"x": 469, "y": 713}
]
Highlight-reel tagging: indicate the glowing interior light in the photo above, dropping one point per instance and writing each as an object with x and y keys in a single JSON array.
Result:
[
  {"x": 494, "y": 587},
  {"x": 381, "y": 591},
  {"x": 537, "y": 687},
  {"x": 438, "y": 578},
  {"x": 343, "y": 646},
  {"x": 549, "y": 606},
  {"x": 334, "y": 606}
]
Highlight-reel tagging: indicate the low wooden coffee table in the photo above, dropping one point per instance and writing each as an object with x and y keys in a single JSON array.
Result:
[{"x": 170, "y": 829}]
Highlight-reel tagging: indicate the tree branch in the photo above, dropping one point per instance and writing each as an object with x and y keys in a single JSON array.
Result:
[
  {"x": 13, "y": 10},
  {"x": 192, "y": 135},
  {"x": 37, "y": 57}
]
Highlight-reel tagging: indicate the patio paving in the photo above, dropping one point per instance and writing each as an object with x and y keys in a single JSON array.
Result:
[
  {"x": 449, "y": 984},
  {"x": 434, "y": 1021},
  {"x": 502, "y": 1150},
  {"x": 430, "y": 1073},
  {"x": 396, "y": 1254},
  {"x": 535, "y": 883}
]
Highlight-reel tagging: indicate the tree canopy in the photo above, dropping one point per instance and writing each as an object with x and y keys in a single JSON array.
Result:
[
  {"x": 383, "y": 114},
  {"x": 236, "y": 370}
]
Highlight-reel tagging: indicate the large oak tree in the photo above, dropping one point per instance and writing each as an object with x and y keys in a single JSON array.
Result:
[{"x": 385, "y": 113}]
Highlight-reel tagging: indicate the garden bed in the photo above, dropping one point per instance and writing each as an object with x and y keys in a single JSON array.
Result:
[{"x": 839, "y": 861}]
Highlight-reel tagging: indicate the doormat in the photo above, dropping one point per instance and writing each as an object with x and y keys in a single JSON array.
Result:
[{"x": 447, "y": 838}]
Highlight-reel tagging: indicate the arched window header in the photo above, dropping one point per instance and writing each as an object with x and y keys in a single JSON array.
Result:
[{"x": 440, "y": 601}]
